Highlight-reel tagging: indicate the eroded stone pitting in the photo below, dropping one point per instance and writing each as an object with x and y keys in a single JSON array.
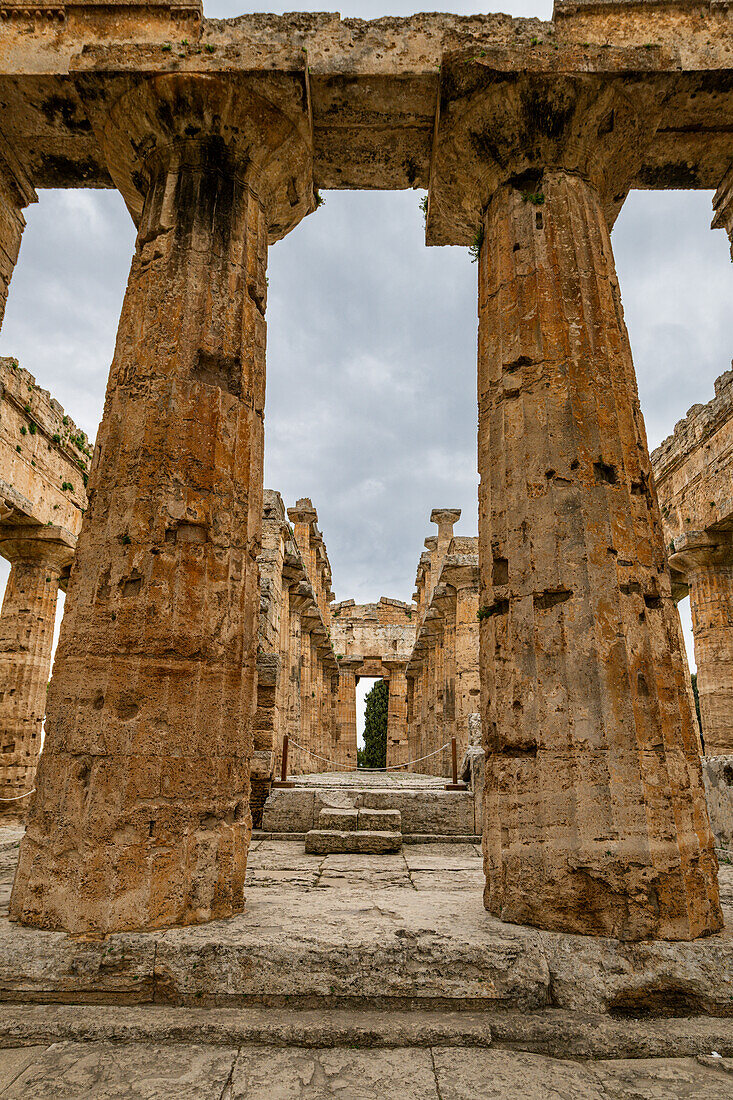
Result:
[{"x": 169, "y": 697}]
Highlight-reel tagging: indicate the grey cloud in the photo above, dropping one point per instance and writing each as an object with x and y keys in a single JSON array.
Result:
[{"x": 371, "y": 401}]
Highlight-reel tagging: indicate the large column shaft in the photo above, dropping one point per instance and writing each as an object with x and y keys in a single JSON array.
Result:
[
  {"x": 142, "y": 816},
  {"x": 596, "y": 816},
  {"x": 26, "y": 641}
]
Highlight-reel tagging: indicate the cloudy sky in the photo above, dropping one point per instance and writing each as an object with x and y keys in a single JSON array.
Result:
[{"x": 371, "y": 400}]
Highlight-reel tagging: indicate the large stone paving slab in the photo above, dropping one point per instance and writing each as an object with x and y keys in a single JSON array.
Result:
[
  {"x": 513, "y": 1075},
  {"x": 264, "y": 1074},
  {"x": 124, "y": 1071},
  {"x": 174, "y": 1070}
]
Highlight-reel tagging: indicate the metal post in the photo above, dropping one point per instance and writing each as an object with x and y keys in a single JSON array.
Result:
[
  {"x": 454, "y": 785},
  {"x": 284, "y": 768},
  {"x": 283, "y": 781}
]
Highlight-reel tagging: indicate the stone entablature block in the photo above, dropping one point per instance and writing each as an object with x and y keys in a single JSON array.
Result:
[
  {"x": 44, "y": 458},
  {"x": 693, "y": 467}
]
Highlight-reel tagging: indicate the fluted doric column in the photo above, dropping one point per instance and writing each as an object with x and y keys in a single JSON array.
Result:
[
  {"x": 596, "y": 817},
  {"x": 346, "y": 715},
  {"x": 398, "y": 749},
  {"x": 706, "y": 560},
  {"x": 142, "y": 817},
  {"x": 37, "y": 555},
  {"x": 595, "y": 814}
]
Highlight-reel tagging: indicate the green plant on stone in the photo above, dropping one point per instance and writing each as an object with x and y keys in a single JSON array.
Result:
[
  {"x": 474, "y": 249},
  {"x": 32, "y": 428},
  {"x": 535, "y": 197},
  {"x": 23, "y": 430}
]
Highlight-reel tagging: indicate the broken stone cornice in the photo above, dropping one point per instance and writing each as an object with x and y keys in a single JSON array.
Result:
[{"x": 700, "y": 422}]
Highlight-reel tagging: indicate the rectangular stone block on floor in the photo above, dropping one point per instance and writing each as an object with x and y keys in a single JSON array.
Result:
[
  {"x": 326, "y": 841},
  {"x": 337, "y": 818},
  {"x": 390, "y": 820}
]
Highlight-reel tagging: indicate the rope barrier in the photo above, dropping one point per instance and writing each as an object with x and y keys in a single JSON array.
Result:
[
  {"x": 391, "y": 768},
  {"x": 17, "y": 797}
]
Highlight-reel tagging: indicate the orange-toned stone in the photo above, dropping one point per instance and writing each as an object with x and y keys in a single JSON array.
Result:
[
  {"x": 38, "y": 556},
  {"x": 142, "y": 817},
  {"x": 595, "y": 811}
]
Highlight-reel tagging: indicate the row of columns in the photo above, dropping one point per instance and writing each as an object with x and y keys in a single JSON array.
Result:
[
  {"x": 595, "y": 813},
  {"x": 443, "y": 673}
]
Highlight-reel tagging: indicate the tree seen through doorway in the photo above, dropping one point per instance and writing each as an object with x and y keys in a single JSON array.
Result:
[{"x": 374, "y": 753}]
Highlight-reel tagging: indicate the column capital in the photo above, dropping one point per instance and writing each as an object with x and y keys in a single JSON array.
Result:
[
  {"x": 445, "y": 518},
  {"x": 701, "y": 550},
  {"x": 508, "y": 115},
  {"x": 51, "y": 546},
  {"x": 252, "y": 127},
  {"x": 303, "y": 512}
]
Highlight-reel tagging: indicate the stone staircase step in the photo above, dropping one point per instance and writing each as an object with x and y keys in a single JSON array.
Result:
[
  {"x": 381, "y": 820},
  {"x": 332, "y": 841},
  {"x": 336, "y": 817},
  {"x": 430, "y": 811},
  {"x": 552, "y": 1031}
]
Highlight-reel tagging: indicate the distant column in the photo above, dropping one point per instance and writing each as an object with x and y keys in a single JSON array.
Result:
[
  {"x": 37, "y": 555},
  {"x": 398, "y": 749},
  {"x": 707, "y": 562},
  {"x": 468, "y": 679},
  {"x": 346, "y": 716}
]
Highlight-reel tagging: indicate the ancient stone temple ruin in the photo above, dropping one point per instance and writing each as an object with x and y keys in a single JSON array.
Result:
[
  {"x": 693, "y": 472},
  {"x": 205, "y": 675}
]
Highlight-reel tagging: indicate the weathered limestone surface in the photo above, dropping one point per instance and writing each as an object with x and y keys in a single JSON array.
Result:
[
  {"x": 142, "y": 816},
  {"x": 27, "y": 620},
  {"x": 717, "y": 774},
  {"x": 391, "y": 931},
  {"x": 425, "y": 807},
  {"x": 529, "y": 135},
  {"x": 595, "y": 809},
  {"x": 294, "y": 595},
  {"x": 693, "y": 474},
  {"x": 16, "y": 193},
  {"x": 374, "y": 639},
  {"x": 118, "y": 1070},
  {"x": 443, "y": 672},
  {"x": 44, "y": 459}
]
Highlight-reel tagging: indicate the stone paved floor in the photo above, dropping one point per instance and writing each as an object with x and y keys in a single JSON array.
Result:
[
  {"x": 343, "y": 889},
  {"x": 197, "y": 1071}
]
